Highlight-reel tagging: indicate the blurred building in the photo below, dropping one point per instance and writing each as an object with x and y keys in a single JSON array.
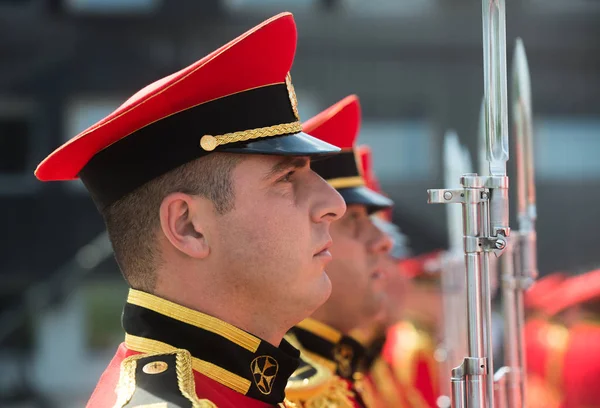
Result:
[{"x": 416, "y": 65}]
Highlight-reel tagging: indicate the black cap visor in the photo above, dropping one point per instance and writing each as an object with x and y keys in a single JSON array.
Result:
[
  {"x": 367, "y": 197},
  {"x": 298, "y": 144}
]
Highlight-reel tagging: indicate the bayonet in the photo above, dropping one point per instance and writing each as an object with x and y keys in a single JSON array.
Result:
[
  {"x": 523, "y": 130},
  {"x": 494, "y": 77}
]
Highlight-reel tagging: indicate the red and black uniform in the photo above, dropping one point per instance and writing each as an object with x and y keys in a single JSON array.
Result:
[
  {"x": 324, "y": 346},
  {"x": 231, "y": 368}
]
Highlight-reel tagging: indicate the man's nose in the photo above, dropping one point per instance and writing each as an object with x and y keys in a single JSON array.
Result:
[{"x": 330, "y": 204}]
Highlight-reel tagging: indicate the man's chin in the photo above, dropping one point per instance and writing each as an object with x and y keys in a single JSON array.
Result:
[
  {"x": 377, "y": 304},
  {"x": 320, "y": 292},
  {"x": 327, "y": 286}
]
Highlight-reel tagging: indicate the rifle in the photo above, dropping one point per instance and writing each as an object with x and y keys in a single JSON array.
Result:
[{"x": 485, "y": 208}]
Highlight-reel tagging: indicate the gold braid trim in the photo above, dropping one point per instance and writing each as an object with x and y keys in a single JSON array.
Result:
[
  {"x": 292, "y": 95},
  {"x": 126, "y": 385},
  {"x": 185, "y": 379},
  {"x": 337, "y": 395},
  {"x": 346, "y": 182},
  {"x": 210, "y": 142},
  {"x": 194, "y": 318}
]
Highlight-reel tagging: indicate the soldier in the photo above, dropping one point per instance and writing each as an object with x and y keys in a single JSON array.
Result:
[
  {"x": 204, "y": 181},
  {"x": 356, "y": 271},
  {"x": 399, "y": 368},
  {"x": 379, "y": 387},
  {"x": 400, "y": 365}
]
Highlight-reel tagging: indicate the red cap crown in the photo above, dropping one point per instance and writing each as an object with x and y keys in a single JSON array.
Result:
[
  {"x": 368, "y": 172},
  {"x": 338, "y": 124},
  {"x": 366, "y": 161}
]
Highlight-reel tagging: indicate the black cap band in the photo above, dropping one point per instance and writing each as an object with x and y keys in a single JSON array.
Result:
[
  {"x": 340, "y": 166},
  {"x": 175, "y": 140}
]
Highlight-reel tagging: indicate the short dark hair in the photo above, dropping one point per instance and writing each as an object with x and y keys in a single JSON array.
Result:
[{"x": 132, "y": 221}]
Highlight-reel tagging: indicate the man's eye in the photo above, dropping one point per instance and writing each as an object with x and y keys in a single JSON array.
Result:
[{"x": 288, "y": 177}]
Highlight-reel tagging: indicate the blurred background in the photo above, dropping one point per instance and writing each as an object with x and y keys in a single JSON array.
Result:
[{"x": 416, "y": 66}]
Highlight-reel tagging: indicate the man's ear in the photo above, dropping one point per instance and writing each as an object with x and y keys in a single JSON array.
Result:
[{"x": 181, "y": 228}]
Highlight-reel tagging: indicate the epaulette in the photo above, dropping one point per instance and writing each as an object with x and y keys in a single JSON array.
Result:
[
  {"x": 415, "y": 344},
  {"x": 314, "y": 386},
  {"x": 411, "y": 348},
  {"x": 163, "y": 380}
]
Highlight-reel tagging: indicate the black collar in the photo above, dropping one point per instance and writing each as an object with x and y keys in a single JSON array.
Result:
[
  {"x": 341, "y": 353},
  {"x": 220, "y": 351}
]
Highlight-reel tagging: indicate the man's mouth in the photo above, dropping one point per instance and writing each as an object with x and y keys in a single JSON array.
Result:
[{"x": 324, "y": 249}]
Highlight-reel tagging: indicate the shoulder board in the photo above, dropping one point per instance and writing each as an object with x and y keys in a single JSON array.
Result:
[
  {"x": 410, "y": 341},
  {"x": 162, "y": 380},
  {"x": 312, "y": 385},
  {"x": 414, "y": 346}
]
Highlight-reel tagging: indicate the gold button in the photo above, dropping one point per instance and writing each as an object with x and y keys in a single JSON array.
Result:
[
  {"x": 208, "y": 143},
  {"x": 155, "y": 367}
]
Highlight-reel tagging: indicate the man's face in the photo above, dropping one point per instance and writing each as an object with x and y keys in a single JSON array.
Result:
[
  {"x": 273, "y": 245},
  {"x": 359, "y": 250}
]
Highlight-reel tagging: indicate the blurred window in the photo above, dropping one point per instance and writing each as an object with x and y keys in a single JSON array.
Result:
[
  {"x": 567, "y": 148},
  {"x": 17, "y": 146},
  {"x": 402, "y": 149},
  {"x": 103, "y": 309},
  {"x": 389, "y": 7},
  {"x": 111, "y": 6},
  {"x": 15, "y": 2},
  {"x": 308, "y": 105},
  {"x": 83, "y": 112},
  {"x": 15, "y": 141},
  {"x": 292, "y": 5}
]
